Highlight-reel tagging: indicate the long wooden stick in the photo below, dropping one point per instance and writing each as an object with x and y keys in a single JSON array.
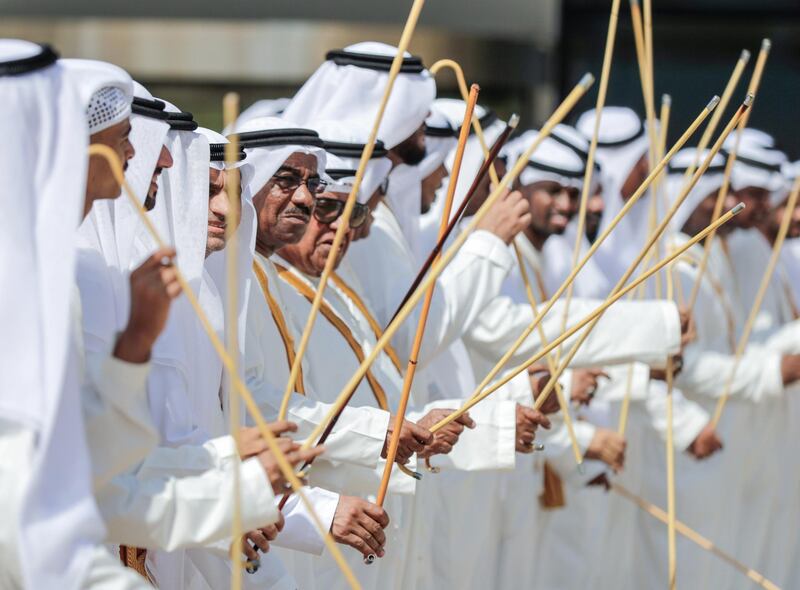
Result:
[
  {"x": 229, "y": 365},
  {"x": 653, "y": 238},
  {"x": 597, "y": 243},
  {"x": 584, "y": 322},
  {"x": 694, "y": 537},
  {"x": 411, "y": 369},
  {"x": 560, "y": 113},
  {"x": 602, "y": 92},
  {"x": 755, "y": 83},
  {"x": 230, "y": 111},
  {"x": 733, "y": 82},
  {"x": 762, "y": 291},
  {"x": 643, "y": 37},
  {"x": 672, "y": 551},
  {"x": 344, "y": 226}
]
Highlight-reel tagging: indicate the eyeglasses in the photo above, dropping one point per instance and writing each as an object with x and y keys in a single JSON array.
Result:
[
  {"x": 328, "y": 210},
  {"x": 289, "y": 183}
]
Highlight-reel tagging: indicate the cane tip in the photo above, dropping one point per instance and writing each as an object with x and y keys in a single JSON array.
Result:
[
  {"x": 766, "y": 45},
  {"x": 581, "y": 468},
  {"x": 666, "y": 100},
  {"x": 738, "y": 209},
  {"x": 513, "y": 121},
  {"x": 712, "y": 104},
  {"x": 538, "y": 447},
  {"x": 748, "y": 100},
  {"x": 587, "y": 80},
  {"x": 370, "y": 559},
  {"x": 745, "y": 56},
  {"x": 253, "y": 566},
  {"x": 634, "y": 2}
]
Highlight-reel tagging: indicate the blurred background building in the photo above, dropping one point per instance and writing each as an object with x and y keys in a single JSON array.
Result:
[{"x": 525, "y": 53}]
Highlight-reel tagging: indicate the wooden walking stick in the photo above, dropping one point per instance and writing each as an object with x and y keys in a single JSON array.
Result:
[
  {"x": 755, "y": 82},
  {"x": 596, "y": 313},
  {"x": 597, "y": 243},
  {"x": 344, "y": 226},
  {"x": 694, "y": 537},
  {"x": 411, "y": 369},
  {"x": 558, "y": 115},
  {"x": 762, "y": 291},
  {"x": 229, "y": 365}
]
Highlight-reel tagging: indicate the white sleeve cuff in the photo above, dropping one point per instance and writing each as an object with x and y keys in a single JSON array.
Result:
[
  {"x": 300, "y": 533},
  {"x": 485, "y": 244}
]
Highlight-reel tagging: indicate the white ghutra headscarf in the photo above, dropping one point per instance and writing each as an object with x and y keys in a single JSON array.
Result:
[{"x": 44, "y": 164}]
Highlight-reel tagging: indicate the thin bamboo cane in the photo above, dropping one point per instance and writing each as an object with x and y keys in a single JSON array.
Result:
[
  {"x": 762, "y": 291},
  {"x": 411, "y": 369},
  {"x": 344, "y": 226},
  {"x": 229, "y": 365},
  {"x": 563, "y": 109},
  {"x": 602, "y": 91},
  {"x": 230, "y": 111}
]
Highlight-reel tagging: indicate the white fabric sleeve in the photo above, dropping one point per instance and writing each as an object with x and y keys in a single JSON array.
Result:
[
  {"x": 151, "y": 510},
  {"x": 473, "y": 278},
  {"x": 358, "y": 437},
  {"x": 786, "y": 340},
  {"x": 119, "y": 430},
  {"x": 300, "y": 533},
  {"x": 359, "y": 434},
  {"x": 644, "y": 331},
  {"x": 559, "y": 454},
  {"x": 490, "y": 445},
  {"x": 705, "y": 373},
  {"x": 688, "y": 418},
  {"x": 614, "y": 388}
]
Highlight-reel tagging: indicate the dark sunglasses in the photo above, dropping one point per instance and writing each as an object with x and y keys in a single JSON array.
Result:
[
  {"x": 289, "y": 183},
  {"x": 328, "y": 210}
]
